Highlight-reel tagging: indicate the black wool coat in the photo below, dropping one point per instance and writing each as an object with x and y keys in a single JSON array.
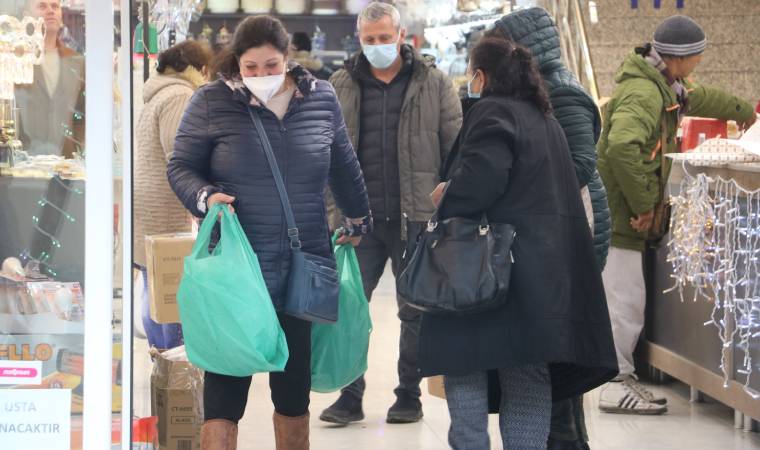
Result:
[{"x": 512, "y": 161}]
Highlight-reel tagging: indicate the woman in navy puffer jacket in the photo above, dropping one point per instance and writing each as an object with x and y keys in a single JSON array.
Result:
[{"x": 218, "y": 157}]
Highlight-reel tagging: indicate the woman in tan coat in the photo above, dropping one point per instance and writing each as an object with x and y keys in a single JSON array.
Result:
[{"x": 178, "y": 74}]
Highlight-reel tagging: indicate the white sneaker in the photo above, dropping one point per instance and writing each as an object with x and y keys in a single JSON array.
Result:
[
  {"x": 646, "y": 394},
  {"x": 618, "y": 397}
]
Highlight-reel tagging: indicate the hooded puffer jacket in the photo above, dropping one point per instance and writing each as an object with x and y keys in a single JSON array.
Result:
[
  {"x": 573, "y": 107},
  {"x": 217, "y": 149}
]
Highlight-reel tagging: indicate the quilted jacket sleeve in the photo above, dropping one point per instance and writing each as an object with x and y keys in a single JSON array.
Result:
[
  {"x": 602, "y": 220},
  {"x": 346, "y": 179},
  {"x": 579, "y": 117},
  {"x": 450, "y": 116},
  {"x": 188, "y": 166},
  {"x": 631, "y": 125}
]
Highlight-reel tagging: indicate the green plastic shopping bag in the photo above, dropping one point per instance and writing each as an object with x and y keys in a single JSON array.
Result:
[
  {"x": 228, "y": 319},
  {"x": 339, "y": 350}
]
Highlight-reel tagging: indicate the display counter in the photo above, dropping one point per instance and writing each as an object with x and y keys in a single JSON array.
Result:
[{"x": 679, "y": 338}]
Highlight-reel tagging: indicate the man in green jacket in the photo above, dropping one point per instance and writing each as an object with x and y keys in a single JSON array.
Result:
[
  {"x": 403, "y": 116},
  {"x": 641, "y": 121}
]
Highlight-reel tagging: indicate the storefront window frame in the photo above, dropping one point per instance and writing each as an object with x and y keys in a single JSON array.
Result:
[
  {"x": 99, "y": 239},
  {"x": 125, "y": 87}
]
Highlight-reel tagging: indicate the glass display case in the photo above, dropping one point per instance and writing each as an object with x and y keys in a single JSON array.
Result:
[{"x": 59, "y": 227}]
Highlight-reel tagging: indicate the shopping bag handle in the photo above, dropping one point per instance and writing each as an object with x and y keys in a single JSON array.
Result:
[
  {"x": 207, "y": 226},
  {"x": 338, "y": 233}
]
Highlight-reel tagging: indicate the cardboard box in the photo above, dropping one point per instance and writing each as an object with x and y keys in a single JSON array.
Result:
[
  {"x": 177, "y": 400},
  {"x": 165, "y": 257},
  {"x": 435, "y": 387}
]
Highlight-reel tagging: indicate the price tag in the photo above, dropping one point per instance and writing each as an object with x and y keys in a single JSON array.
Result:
[{"x": 17, "y": 373}]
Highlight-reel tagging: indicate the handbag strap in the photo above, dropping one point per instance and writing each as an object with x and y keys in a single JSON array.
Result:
[
  {"x": 433, "y": 222},
  {"x": 293, "y": 234}
]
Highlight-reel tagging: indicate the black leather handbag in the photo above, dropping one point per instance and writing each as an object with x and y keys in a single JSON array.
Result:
[
  {"x": 458, "y": 266},
  {"x": 313, "y": 283}
]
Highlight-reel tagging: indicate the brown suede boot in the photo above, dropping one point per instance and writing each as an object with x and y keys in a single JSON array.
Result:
[
  {"x": 219, "y": 434},
  {"x": 291, "y": 433}
]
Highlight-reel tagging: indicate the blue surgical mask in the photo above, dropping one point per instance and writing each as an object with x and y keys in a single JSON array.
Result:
[
  {"x": 471, "y": 94},
  {"x": 381, "y": 56}
]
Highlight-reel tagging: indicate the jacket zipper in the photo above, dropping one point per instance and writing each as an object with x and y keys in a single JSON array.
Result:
[
  {"x": 358, "y": 123},
  {"x": 404, "y": 107},
  {"x": 383, "y": 154}
]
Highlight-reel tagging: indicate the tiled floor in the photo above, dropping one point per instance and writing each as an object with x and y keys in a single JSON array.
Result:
[{"x": 706, "y": 426}]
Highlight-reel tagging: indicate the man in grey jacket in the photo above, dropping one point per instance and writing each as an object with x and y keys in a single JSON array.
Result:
[
  {"x": 403, "y": 116},
  {"x": 58, "y": 127}
]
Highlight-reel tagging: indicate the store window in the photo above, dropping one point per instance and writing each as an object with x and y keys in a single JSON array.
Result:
[{"x": 44, "y": 210}]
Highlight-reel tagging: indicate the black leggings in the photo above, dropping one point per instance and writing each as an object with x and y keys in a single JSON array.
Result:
[{"x": 225, "y": 397}]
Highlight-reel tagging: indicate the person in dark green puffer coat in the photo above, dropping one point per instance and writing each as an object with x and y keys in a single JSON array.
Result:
[
  {"x": 579, "y": 117},
  {"x": 574, "y": 108}
]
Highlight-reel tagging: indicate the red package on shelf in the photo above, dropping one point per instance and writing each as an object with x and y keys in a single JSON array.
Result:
[
  {"x": 145, "y": 433},
  {"x": 692, "y": 127}
]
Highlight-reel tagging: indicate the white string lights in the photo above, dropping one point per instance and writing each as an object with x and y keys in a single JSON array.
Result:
[
  {"x": 21, "y": 47},
  {"x": 714, "y": 247}
]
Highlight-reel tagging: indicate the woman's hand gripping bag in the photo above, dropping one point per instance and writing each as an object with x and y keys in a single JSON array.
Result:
[
  {"x": 228, "y": 319},
  {"x": 339, "y": 350}
]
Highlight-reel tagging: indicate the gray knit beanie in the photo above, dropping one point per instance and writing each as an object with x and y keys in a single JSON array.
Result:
[{"x": 679, "y": 36}]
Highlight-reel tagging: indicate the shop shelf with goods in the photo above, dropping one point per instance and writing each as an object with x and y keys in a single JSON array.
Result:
[
  {"x": 55, "y": 228},
  {"x": 42, "y": 249},
  {"x": 336, "y": 27}
]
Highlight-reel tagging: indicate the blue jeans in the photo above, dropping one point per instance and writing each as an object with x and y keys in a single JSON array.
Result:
[{"x": 161, "y": 336}]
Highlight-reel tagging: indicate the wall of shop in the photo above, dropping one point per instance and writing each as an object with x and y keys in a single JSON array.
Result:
[{"x": 732, "y": 59}]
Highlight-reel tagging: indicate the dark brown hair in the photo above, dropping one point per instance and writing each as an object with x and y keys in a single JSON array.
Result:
[
  {"x": 511, "y": 70},
  {"x": 255, "y": 31},
  {"x": 179, "y": 57}
]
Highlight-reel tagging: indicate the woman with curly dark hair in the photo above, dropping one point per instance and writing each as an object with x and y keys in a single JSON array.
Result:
[
  {"x": 220, "y": 157},
  {"x": 552, "y": 337}
]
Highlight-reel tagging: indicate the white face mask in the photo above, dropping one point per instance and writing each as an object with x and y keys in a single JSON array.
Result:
[
  {"x": 264, "y": 88},
  {"x": 381, "y": 56}
]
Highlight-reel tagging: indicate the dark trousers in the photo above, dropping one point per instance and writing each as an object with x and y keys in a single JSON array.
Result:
[
  {"x": 373, "y": 253},
  {"x": 568, "y": 422},
  {"x": 225, "y": 397}
]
